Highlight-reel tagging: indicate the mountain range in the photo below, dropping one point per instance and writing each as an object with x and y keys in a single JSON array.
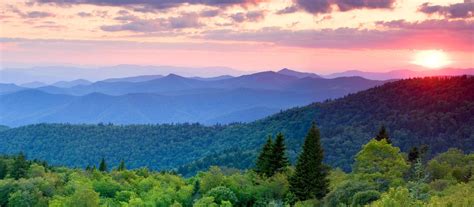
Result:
[
  {"x": 41, "y": 76},
  {"x": 403, "y": 74},
  {"x": 171, "y": 98},
  {"x": 436, "y": 112}
]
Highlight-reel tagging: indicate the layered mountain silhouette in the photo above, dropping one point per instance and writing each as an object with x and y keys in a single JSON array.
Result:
[
  {"x": 171, "y": 98},
  {"x": 436, "y": 112}
]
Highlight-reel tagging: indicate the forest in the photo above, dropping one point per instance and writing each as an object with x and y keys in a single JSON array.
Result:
[
  {"x": 381, "y": 175},
  {"x": 435, "y": 111}
]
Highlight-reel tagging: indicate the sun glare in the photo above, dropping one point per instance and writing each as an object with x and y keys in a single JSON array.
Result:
[{"x": 431, "y": 59}]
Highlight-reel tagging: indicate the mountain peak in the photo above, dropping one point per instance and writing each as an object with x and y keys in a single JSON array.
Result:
[{"x": 294, "y": 73}]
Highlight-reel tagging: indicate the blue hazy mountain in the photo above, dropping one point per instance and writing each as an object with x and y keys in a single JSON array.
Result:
[
  {"x": 286, "y": 71},
  {"x": 68, "y": 84},
  {"x": 171, "y": 99},
  {"x": 134, "y": 79},
  {"x": 9, "y": 88},
  {"x": 34, "y": 84}
]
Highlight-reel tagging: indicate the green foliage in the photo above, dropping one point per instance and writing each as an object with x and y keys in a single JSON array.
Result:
[
  {"x": 102, "y": 165},
  {"x": 84, "y": 197},
  {"x": 364, "y": 197},
  {"x": 380, "y": 162},
  {"x": 121, "y": 166},
  {"x": 461, "y": 194},
  {"x": 221, "y": 194},
  {"x": 262, "y": 166},
  {"x": 3, "y": 169},
  {"x": 278, "y": 158},
  {"x": 397, "y": 197},
  {"x": 344, "y": 193},
  {"x": 205, "y": 202},
  {"x": 383, "y": 134},
  {"x": 432, "y": 111},
  {"x": 310, "y": 178},
  {"x": 20, "y": 167},
  {"x": 453, "y": 164}
]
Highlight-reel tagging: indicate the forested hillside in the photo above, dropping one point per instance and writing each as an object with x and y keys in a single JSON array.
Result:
[
  {"x": 396, "y": 180},
  {"x": 437, "y": 112}
]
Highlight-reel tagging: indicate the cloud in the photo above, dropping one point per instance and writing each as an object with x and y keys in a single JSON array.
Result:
[
  {"x": 288, "y": 10},
  {"x": 135, "y": 24},
  {"x": 38, "y": 14},
  {"x": 346, "y": 5},
  {"x": 459, "y": 10},
  {"x": 433, "y": 24},
  {"x": 430, "y": 34},
  {"x": 84, "y": 14},
  {"x": 326, "y": 6},
  {"x": 153, "y": 5},
  {"x": 30, "y": 14},
  {"x": 210, "y": 13},
  {"x": 251, "y": 16}
]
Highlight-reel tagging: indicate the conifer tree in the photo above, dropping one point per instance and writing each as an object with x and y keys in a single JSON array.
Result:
[
  {"x": 20, "y": 167},
  {"x": 102, "y": 165},
  {"x": 3, "y": 169},
  {"x": 262, "y": 166},
  {"x": 121, "y": 166},
  {"x": 278, "y": 159},
  {"x": 310, "y": 178},
  {"x": 383, "y": 135}
]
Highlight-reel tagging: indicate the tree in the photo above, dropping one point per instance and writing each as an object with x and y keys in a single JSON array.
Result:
[
  {"x": 103, "y": 166},
  {"x": 310, "y": 178},
  {"x": 413, "y": 155},
  {"x": 84, "y": 197},
  {"x": 222, "y": 193},
  {"x": 20, "y": 167},
  {"x": 121, "y": 166},
  {"x": 381, "y": 162},
  {"x": 383, "y": 135},
  {"x": 278, "y": 159},
  {"x": 262, "y": 166},
  {"x": 3, "y": 169}
]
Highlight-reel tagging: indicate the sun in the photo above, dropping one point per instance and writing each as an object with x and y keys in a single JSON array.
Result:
[{"x": 431, "y": 59}]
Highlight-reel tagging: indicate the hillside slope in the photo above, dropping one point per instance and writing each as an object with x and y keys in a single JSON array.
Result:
[{"x": 433, "y": 111}]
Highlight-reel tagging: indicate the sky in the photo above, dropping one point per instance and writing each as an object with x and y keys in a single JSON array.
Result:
[{"x": 322, "y": 36}]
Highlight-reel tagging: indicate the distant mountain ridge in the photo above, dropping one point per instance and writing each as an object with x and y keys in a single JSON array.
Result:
[
  {"x": 432, "y": 111},
  {"x": 403, "y": 74},
  {"x": 171, "y": 99}
]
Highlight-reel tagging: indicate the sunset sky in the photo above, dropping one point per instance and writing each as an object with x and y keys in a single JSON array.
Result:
[{"x": 322, "y": 36}]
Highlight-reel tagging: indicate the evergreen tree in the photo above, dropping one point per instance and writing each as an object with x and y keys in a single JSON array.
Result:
[
  {"x": 3, "y": 169},
  {"x": 20, "y": 167},
  {"x": 278, "y": 159},
  {"x": 310, "y": 178},
  {"x": 413, "y": 155},
  {"x": 88, "y": 168},
  {"x": 121, "y": 166},
  {"x": 102, "y": 165},
  {"x": 262, "y": 166},
  {"x": 383, "y": 135}
]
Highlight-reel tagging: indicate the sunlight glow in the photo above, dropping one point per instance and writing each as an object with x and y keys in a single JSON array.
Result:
[{"x": 431, "y": 59}]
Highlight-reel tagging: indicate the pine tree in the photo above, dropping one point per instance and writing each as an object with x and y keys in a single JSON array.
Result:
[
  {"x": 310, "y": 178},
  {"x": 278, "y": 159},
  {"x": 383, "y": 135},
  {"x": 102, "y": 165},
  {"x": 88, "y": 168},
  {"x": 262, "y": 166},
  {"x": 413, "y": 155},
  {"x": 121, "y": 166},
  {"x": 20, "y": 167},
  {"x": 3, "y": 169}
]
